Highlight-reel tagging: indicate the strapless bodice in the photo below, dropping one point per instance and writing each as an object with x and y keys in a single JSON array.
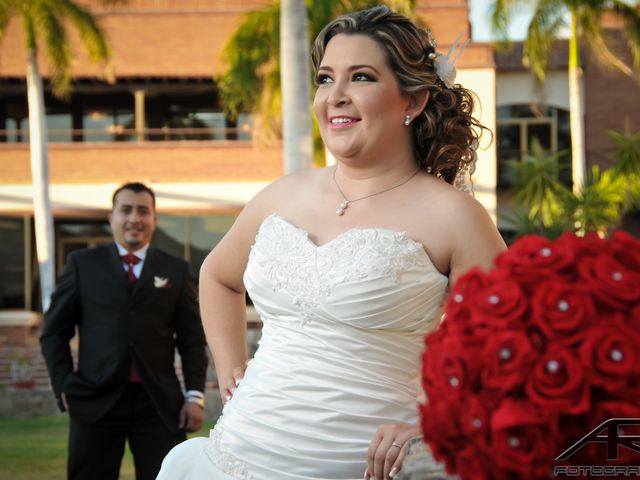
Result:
[{"x": 343, "y": 329}]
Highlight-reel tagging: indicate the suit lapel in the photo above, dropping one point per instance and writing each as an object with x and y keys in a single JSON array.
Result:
[
  {"x": 148, "y": 271},
  {"x": 116, "y": 265}
]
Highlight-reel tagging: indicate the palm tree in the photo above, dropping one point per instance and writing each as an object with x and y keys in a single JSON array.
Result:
[
  {"x": 297, "y": 133},
  {"x": 45, "y": 21},
  {"x": 252, "y": 80},
  {"x": 548, "y": 19},
  {"x": 548, "y": 207},
  {"x": 538, "y": 185}
]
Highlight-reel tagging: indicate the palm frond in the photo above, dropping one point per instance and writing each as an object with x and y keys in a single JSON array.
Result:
[
  {"x": 522, "y": 224},
  {"x": 537, "y": 184},
  {"x": 592, "y": 32},
  {"x": 626, "y": 155},
  {"x": 630, "y": 15},
  {"x": 598, "y": 204},
  {"x": 92, "y": 35},
  {"x": 7, "y": 10},
  {"x": 542, "y": 32},
  {"x": 501, "y": 12},
  {"x": 250, "y": 48},
  {"x": 56, "y": 43}
]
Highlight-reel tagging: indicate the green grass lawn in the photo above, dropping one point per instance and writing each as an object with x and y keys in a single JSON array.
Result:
[{"x": 35, "y": 448}]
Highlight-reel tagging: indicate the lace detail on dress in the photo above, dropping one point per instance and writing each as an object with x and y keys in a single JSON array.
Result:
[
  {"x": 225, "y": 461},
  {"x": 365, "y": 253},
  {"x": 292, "y": 262},
  {"x": 289, "y": 262}
]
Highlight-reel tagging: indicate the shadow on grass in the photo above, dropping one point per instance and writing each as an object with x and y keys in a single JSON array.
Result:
[{"x": 35, "y": 448}]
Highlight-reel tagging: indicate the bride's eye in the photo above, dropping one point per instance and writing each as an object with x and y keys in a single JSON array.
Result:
[
  {"x": 322, "y": 79},
  {"x": 362, "y": 77}
]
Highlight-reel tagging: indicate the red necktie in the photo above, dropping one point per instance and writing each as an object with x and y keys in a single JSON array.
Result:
[{"x": 130, "y": 259}]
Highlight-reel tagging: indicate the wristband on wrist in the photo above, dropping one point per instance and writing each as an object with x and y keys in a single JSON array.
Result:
[
  {"x": 196, "y": 400},
  {"x": 194, "y": 393}
]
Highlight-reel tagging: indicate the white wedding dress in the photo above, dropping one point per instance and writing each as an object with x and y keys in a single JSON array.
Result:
[{"x": 343, "y": 332}]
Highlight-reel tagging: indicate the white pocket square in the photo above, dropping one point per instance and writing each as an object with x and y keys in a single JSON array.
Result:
[{"x": 161, "y": 282}]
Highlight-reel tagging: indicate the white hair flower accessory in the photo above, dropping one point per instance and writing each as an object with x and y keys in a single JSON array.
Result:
[{"x": 445, "y": 64}]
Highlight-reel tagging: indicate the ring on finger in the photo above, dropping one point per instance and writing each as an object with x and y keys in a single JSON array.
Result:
[{"x": 394, "y": 444}]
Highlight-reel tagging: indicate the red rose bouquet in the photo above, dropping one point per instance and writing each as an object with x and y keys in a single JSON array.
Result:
[{"x": 533, "y": 355}]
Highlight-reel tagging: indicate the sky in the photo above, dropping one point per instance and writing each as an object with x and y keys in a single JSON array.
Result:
[{"x": 481, "y": 22}]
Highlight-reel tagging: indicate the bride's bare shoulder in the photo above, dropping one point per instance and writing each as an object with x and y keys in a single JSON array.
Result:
[
  {"x": 282, "y": 191},
  {"x": 292, "y": 184}
]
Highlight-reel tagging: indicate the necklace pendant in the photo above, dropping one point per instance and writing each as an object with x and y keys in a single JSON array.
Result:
[{"x": 343, "y": 207}]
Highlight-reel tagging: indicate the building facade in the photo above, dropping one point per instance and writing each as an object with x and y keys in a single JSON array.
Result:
[{"x": 162, "y": 122}]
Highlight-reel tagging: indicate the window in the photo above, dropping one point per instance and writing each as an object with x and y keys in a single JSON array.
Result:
[
  {"x": 13, "y": 263},
  {"x": 104, "y": 125},
  {"x": 191, "y": 238},
  {"x": 186, "y": 122},
  {"x": 519, "y": 125},
  {"x": 105, "y": 115}
]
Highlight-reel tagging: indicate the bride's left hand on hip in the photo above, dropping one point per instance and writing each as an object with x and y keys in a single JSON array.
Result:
[
  {"x": 228, "y": 390},
  {"x": 387, "y": 450}
]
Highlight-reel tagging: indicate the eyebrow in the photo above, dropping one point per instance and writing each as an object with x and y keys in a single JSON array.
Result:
[
  {"x": 133, "y": 205},
  {"x": 351, "y": 68}
]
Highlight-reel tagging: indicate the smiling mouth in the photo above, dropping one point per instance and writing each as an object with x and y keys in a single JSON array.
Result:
[{"x": 337, "y": 122}]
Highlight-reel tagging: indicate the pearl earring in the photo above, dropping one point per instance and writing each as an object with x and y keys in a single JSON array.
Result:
[{"x": 407, "y": 120}]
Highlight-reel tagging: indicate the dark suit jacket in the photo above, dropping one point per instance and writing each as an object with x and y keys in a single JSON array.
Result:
[{"x": 118, "y": 324}]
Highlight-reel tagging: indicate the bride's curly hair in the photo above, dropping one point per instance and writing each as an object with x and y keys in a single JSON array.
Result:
[{"x": 444, "y": 137}]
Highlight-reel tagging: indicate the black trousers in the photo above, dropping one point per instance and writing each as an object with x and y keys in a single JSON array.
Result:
[{"x": 96, "y": 449}]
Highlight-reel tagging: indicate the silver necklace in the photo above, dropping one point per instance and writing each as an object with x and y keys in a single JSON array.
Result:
[{"x": 345, "y": 204}]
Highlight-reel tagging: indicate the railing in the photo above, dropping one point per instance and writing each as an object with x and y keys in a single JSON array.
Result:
[{"x": 117, "y": 133}]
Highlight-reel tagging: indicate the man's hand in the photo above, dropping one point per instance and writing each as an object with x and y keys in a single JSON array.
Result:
[{"x": 191, "y": 417}]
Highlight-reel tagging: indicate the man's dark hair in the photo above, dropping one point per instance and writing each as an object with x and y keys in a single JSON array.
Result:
[{"x": 136, "y": 187}]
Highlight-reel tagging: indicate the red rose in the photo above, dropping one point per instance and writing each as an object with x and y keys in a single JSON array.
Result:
[
  {"x": 587, "y": 246},
  {"x": 524, "y": 440},
  {"x": 441, "y": 430},
  {"x": 558, "y": 382},
  {"x": 611, "y": 356},
  {"x": 610, "y": 282},
  {"x": 531, "y": 354},
  {"x": 533, "y": 258},
  {"x": 459, "y": 301},
  {"x": 508, "y": 357},
  {"x": 471, "y": 466},
  {"x": 562, "y": 311},
  {"x": 633, "y": 319},
  {"x": 595, "y": 453},
  {"x": 498, "y": 304},
  {"x": 626, "y": 250},
  {"x": 475, "y": 418},
  {"x": 449, "y": 365}
]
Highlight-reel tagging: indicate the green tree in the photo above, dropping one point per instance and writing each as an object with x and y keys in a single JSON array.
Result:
[
  {"x": 45, "y": 23},
  {"x": 544, "y": 28},
  {"x": 548, "y": 207},
  {"x": 251, "y": 82},
  {"x": 598, "y": 205},
  {"x": 538, "y": 185},
  {"x": 626, "y": 164}
]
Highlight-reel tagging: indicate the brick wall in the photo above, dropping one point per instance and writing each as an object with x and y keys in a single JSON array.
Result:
[
  {"x": 107, "y": 162},
  {"x": 24, "y": 381},
  {"x": 612, "y": 102}
]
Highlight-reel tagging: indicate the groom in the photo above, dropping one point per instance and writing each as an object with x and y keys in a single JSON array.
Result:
[{"x": 132, "y": 307}]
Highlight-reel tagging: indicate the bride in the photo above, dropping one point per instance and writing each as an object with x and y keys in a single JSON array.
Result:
[{"x": 347, "y": 267}]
